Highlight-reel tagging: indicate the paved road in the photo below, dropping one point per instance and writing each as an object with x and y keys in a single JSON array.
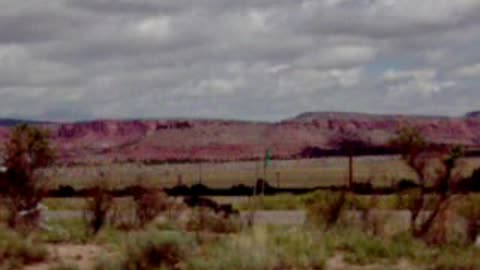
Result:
[
  {"x": 277, "y": 217},
  {"x": 399, "y": 218},
  {"x": 281, "y": 217}
]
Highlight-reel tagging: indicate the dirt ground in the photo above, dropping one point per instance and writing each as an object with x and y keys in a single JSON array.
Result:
[
  {"x": 338, "y": 263},
  {"x": 83, "y": 256}
]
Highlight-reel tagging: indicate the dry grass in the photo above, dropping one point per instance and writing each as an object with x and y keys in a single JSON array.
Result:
[
  {"x": 292, "y": 173},
  {"x": 259, "y": 247},
  {"x": 380, "y": 171}
]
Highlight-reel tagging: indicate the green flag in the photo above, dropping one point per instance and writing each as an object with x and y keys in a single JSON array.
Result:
[{"x": 268, "y": 157}]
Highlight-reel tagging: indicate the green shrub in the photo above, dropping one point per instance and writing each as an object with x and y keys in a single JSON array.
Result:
[
  {"x": 361, "y": 248},
  {"x": 245, "y": 251},
  {"x": 300, "y": 202},
  {"x": 263, "y": 249},
  {"x": 72, "y": 204},
  {"x": 18, "y": 251},
  {"x": 281, "y": 202},
  {"x": 110, "y": 236},
  {"x": 403, "y": 245},
  {"x": 298, "y": 249},
  {"x": 26, "y": 152},
  {"x": 66, "y": 231}
]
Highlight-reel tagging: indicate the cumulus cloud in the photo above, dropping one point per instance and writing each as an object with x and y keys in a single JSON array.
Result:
[
  {"x": 392, "y": 75},
  {"x": 421, "y": 83},
  {"x": 263, "y": 60}
]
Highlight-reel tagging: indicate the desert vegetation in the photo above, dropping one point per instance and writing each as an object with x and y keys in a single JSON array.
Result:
[{"x": 426, "y": 218}]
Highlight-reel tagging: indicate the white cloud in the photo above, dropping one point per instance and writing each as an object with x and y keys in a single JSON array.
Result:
[
  {"x": 157, "y": 27},
  {"x": 470, "y": 71},
  {"x": 420, "y": 82},
  {"x": 217, "y": 87},
  {"x": 237, "y": 59},
  {"x": 305, "y": 82},
  {"x": 338, "y": 56},
  {"x": 392, "y": 75}
]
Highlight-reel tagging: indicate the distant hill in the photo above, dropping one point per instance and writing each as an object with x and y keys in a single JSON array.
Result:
[
  {"x": 309, "y": 116},
  {"x": 187, "y": 140},
  {"x": 6, "y": 122},
  {"x": 475, "y": 114}
]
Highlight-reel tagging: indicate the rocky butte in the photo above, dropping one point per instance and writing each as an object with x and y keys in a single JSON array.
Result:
[{"x": 221, "y": 140}]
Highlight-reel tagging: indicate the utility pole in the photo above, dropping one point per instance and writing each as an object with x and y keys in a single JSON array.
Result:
[
  {"x": 200, "y": 180},
  {"x": 278, "y": 179}
]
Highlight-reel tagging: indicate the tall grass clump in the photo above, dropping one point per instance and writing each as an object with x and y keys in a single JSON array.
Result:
[
  {"x": 363, "y": 249},
  {"x": 261, "y": 248},
  {"x": 298, "y": 249}
]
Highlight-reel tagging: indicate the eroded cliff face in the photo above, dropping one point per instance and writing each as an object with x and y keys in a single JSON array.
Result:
[{"x": 218, "y": 140}]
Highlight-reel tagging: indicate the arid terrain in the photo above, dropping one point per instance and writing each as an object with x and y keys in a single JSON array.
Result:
[
  {"x": 153, "y": 141},
  {"x": 426, "y": 217}
]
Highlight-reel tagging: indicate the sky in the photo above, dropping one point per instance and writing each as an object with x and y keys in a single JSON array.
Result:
[{"x": 70, "y": 60}]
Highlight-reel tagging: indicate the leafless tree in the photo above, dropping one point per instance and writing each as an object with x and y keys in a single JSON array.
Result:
[
  {"x": 423, "y": 157},
  {"x": 351, "y": 144}
]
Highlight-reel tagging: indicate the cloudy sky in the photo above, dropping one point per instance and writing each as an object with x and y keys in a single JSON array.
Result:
[{"x": 249, "y": 59}]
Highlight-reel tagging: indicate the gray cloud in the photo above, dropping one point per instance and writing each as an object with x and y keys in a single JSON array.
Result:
[{"x": 265, "y": 60}]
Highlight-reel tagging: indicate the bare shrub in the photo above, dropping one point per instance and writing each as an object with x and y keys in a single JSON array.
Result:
[
  {"x": 151, "y": 249},
  {"x": 412, "y": 200},
  {"x": 429, "y": 162},
  {"x": 372, "y": 221},
  {"x": 175, "y": 210},
  {"x": 469, "y": 209},
  {"x": 98, "y": 206},
  {"x": 149, "y": 205},
  {"x": 204, "y": 219},
  {"x": 123, "y": 215},
  {"x": 327, "y": 208},
  {"x": 440, "y": 231},
  {"x": 352, "y": 144}
]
